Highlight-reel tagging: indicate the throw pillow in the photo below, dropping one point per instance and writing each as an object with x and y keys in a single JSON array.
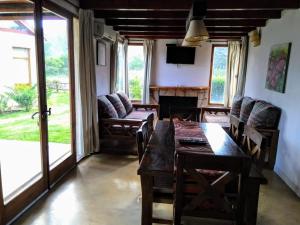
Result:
[
  {"x": 115, "y": 100},
  {"x": 246, "y": 108},
  {"x": 264, "y": 115},
  {"x": 126, "y": 101},
  {"x": 236, "y": 106},
  {"x": 106, "y": 109}
]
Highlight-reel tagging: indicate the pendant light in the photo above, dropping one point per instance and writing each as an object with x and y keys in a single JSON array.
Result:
[{"x": 196, "y": 30}]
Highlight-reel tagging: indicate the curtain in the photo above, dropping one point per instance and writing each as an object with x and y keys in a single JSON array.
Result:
[
  {"x": 232, "y": 72},
  {"x": 125, "y": 46},
  {"x": 242, "y": 67},
  {"x": 114, "y": 66},
  {"x": 120, "y": 67},
  {"x": 79, "y": 131},
  {"x": 87, "y": 83},
  {"x": 148, "y": 50}
]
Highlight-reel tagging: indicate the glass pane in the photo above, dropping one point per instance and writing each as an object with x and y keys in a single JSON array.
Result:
[
  {"x": 20, "y": 152},
  {"x": 135, "y": 71},
  {"x": 57, "y": 86},
  {"x": 219, "y": 71}
]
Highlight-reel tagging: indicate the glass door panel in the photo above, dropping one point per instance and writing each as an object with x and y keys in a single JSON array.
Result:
[
  {"x": 57, "y": 61},
  {"x": 20, "y": 152}
]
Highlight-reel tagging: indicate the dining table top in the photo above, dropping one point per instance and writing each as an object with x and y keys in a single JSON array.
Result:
[{"x": 158, "y": 158}]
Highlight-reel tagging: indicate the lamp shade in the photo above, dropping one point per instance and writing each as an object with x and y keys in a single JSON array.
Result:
[
  {"x": 191, "y": 43},
  {"x": 196, "y": 32},
  {"x": 254, "y": 37}
]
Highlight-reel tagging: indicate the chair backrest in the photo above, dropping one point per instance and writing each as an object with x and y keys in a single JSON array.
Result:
[
  {"x": 185, "y": 113},
  {"x": 254, "y": 144},
  {"x": 236, "y": 129},
  {"x": 202, "y": 187},
  {"x": 142, "y": 137}
]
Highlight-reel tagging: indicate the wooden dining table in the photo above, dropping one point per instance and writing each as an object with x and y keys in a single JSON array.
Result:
[{"x": 158, "y": 159}]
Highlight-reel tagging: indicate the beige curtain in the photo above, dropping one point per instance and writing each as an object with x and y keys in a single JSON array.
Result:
[
  {"x": 234, "y": 50},
  {"x": 87, "y": 82},
  {"x": 148, "y": 50},
  {"x": 126, "y": 65},
  {"x": 114, "y": 66},
  {"x": 242, "y": 67}
]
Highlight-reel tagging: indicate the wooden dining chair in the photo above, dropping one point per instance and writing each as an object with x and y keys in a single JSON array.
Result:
[
  {"x": 207, "y": 197},
  {"x": 143, "y": 135},
  {"x": 236, "y": 129},
  {"x": 162, "y": 185},
  {"x": 254, "y": 144}
]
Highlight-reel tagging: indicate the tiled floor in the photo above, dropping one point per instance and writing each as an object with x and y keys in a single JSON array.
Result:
[{"x": 105, "y": 190}]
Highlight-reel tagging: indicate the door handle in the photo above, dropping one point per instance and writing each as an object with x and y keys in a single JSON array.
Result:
[
  {"x": 34, "y": 114},
  {"x": 46, "y": 113}
]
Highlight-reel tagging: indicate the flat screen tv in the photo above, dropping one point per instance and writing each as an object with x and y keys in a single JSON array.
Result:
[{"x": 180, "y": 55}]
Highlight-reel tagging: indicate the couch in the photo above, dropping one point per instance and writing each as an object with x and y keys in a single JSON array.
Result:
[
  {"x": 261, "y": 115},
  {"x": 119, "y": 119}
]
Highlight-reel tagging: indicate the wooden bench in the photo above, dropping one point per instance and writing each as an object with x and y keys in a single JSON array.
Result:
[{"x": 254, "y": 145}]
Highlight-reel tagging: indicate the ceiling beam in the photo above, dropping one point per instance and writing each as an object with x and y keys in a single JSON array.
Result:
[
  {"x": 186, "y": 4},
  {"x": 176, "y": 37},
  {"x": 128, "y": 33},
  {"x": 13, "y": 8},
  {"x": 27, "y": 16},
  {"x": 210, "y": 29},
  {"x": 144, "y": 14},
  {"x": 208, "y": 23}
]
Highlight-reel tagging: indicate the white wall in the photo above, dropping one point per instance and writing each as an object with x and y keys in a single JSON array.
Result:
[
  {"x": 103, "y": 73},
  {"x": 281, "y": 31},
  {"x": 164, "y": 74}
]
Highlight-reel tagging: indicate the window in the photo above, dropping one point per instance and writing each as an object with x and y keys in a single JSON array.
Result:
[
  {"x": 21, "y": 64},
  {"x": 218, "y": 74},
  {"x": 135, "y": 71}
]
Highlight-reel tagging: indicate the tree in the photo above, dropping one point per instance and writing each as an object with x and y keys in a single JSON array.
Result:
[{"x": 136, "y": 63}]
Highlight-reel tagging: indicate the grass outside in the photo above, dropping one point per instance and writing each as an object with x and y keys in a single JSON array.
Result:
[{"x": 19, "y": 125}]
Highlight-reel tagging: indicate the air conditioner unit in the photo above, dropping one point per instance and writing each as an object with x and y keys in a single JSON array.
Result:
[{"x": 101, "y": 31}]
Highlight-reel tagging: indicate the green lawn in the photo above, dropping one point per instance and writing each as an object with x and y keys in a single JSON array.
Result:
[{"x": 19, "y": 125}]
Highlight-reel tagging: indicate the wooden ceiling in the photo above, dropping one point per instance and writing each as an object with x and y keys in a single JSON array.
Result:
[{"x": 155, "y": 19}]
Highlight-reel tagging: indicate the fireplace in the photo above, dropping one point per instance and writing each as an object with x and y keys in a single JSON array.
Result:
[{"x": 168, "y": 102}]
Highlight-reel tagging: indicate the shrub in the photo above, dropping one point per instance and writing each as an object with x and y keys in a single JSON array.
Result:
[
  {"x": 135, "y": 88},
  {"x": 218, "y": 84},
  {"x": 24, "y": 95},
  {"x": 3, "y": 103}
]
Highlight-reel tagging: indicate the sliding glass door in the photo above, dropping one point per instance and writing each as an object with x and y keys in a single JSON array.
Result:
[
  {"x": 36, "y": 102},
  {"x": 57, "y": 28},
  {"x": 23, "y": 175}
]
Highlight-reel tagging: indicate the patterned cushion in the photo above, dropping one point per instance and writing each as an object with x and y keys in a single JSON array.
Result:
[
  {"x": 106, "y": 109},
  {"x": 236, "y": 106},
  {"x": 141, "y": 114},
  {"x": 246, "y": 108},
  {"x": 264, "y": 115},
  {"x": 126, "y": 102},
  {"x": 115, "y": 100}
]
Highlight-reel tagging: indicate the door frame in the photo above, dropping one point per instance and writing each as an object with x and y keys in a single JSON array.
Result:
[
  {"x": 60, "y": 170},
  {"x": 16, "y": 206}
]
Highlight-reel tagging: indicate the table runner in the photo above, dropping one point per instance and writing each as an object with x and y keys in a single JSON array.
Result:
[{"x": 189, "y": 129}]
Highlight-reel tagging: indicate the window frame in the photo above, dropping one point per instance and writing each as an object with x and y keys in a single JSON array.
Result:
[
  {"x": 211, "y": 72},
  {"x": 27, "y": 58}
]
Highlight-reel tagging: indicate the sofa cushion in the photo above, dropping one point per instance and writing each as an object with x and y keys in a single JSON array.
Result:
[
  {"x": 106, "y": 109},
  {"x": 236, "y": 106},
  {"x": 141, "y": 114},
  {"x": 126, "y": 101},
  {"x": 264, "y": 115},
  {"x": 246, "y": 108},
  {"x": 117, "y": 103}
]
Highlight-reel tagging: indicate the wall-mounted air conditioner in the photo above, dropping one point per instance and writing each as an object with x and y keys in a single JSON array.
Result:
[{"x": 101, "y": 31}]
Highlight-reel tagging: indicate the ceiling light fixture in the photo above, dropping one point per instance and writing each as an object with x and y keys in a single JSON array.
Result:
[{"x": 196, "y": 30}]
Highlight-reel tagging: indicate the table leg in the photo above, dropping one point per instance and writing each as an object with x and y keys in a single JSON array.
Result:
[{"x": 147, "y": 199}]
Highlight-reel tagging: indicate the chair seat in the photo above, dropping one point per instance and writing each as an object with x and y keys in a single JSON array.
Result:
[{"x": 220, "y": 118}]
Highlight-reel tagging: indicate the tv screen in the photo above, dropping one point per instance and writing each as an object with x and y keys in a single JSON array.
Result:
[{"x": 180, "y": 55}]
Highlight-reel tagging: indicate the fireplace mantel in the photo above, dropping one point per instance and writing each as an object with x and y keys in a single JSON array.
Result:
[{"x": 182, "y": 91}]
